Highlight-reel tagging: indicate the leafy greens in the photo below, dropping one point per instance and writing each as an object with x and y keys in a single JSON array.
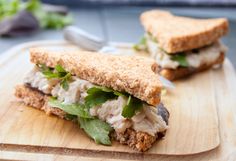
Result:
[
  {"x": 181, "y": 59},
  {"x": 95, "y": 128},
  {"x": 99, "y": 95},
  {"x": 9, "y": 8},
  {"x": 142, "y": 45},
  {"x": 72, "y": 109},
  {"x": 59, "y": 72},
  {"x": 133, "y": 105}
]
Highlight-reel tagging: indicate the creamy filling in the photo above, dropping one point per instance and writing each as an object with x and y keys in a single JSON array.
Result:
[
  {"x": 195, "y": 59},
  {"x": 37, "y": 80},
  {"x": 147, "y": 120}
]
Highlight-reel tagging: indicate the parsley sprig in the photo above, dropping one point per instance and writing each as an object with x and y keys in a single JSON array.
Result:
[
  {"x": 98, "y": 95},
  {"x": 133, "y": 105},
  {"x": 59, "y": 73}
]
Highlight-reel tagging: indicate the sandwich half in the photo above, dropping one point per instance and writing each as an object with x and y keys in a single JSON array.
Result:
[
  {"x": 181, "y": 45},
  {"x": 111, "y": 97}
]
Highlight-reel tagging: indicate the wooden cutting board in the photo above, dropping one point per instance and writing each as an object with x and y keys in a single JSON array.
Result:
[{"x": 193, "y": 124}]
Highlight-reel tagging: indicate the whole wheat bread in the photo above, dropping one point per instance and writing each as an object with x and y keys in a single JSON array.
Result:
[
  {"x": 177, "y": 34},
  {"x": 132, "y": 74}
]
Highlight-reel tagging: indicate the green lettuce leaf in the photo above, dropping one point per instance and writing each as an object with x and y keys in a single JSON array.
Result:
[
  {"x": 72, "y": 109},
  {"x": 98, "y": 95},
  {"x": 133, "y": 105},
  {"x": 181, "y": 59},
  {"x": 96, "y": 129}
]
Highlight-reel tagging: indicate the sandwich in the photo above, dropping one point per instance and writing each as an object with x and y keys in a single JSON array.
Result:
[
  {"x": 110, "y": 97},
  {"x": 182, "y": 46}
]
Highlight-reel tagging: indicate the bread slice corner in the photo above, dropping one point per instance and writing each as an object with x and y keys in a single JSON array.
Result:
[{"x": 177, "y": 34}]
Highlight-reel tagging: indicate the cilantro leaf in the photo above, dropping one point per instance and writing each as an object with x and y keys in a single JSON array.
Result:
[
  {"x": 96, "y": 129},
  {"x": 64, "y": 81},
  {"x": 59, "y": 73},
  {"x": 133, "y": 105},
  {"x": 72, "y": 109},
  {"x": 47, "y": 72},
  {"x": 98, "y": 95},
  {"x": 181, "y": 59},
  {"x": 60, "y": 69},
  {"x": 50, "y": 74}
]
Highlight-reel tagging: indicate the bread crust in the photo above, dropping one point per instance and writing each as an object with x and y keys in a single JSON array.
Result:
[
  {"x": 34, "y": 98},
  {"x": 173, "y": 74},
  {"x": 132, "y": 74},
  {"x": 178, "y": 34},
  {"x": 140, "y": 141}
]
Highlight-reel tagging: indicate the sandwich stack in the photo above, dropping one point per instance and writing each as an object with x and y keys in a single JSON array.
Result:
[
  {"x": 181, "y": 45},
  {"x": 110, "y": 97}
]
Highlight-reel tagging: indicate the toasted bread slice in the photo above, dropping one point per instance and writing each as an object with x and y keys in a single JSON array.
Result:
[
  {"x": 173, "y": 74},
  {"x": 132, "y": 74},
  {"x": 176, "y": 34},
  {"x": 140, "y": 141}
]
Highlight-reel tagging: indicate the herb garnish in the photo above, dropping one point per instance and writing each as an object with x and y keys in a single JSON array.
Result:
[
  {"x": 141, "y": 45},
  {"x": 9, "y": 8},
  {"x": 133, "y": 105},
  {"x": 99, "y": 95},
  {"x": 95, "y": 128},
  {"x": 181, "y": 59},
  {"x": 72, "y": 109},
  {"x": 59, "y": 72}
]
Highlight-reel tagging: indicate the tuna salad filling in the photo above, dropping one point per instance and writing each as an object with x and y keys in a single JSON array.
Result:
[
  {"x": 194, "y": 58},
  {"x": 95, "y": 106}
]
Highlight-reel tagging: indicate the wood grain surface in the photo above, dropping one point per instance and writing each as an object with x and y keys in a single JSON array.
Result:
[
  {"x": 16, "y": 156},
  {"x": 193, "y": 123}
]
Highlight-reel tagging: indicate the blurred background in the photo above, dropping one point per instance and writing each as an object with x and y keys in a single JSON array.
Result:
[{"x": 111, "y": 20}]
